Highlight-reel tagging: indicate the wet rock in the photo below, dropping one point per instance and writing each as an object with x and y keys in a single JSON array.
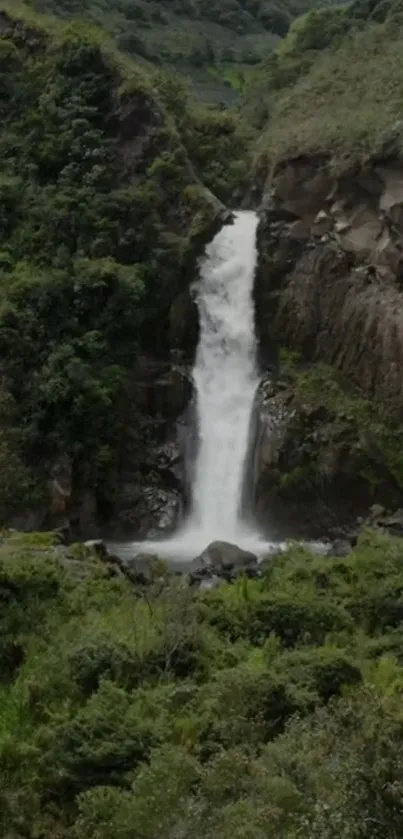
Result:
[
  {"x": 160, "y": 389},
  {"x": 164, "y": 508},
  {"x": 225, "y": 560},
  {"x": 184, "y": 322},
  {"x": 169, "y": 463},
  {"x": 63, "y": 534},
  {"x": 147, "y": 512}
]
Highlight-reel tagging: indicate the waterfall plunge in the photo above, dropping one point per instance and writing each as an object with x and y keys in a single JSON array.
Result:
[{"x": 226, "y": 379}]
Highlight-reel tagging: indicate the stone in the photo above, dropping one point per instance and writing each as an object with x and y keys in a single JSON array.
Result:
[
  {"x": 322, "y": 224},
  {"x": 320, "y": 299},
  {"x": 147, "y": 512},
  {"x": 223, "y": 557},
  {"x": 169, "y": 463},
  {"x": 165, "y": 507}
]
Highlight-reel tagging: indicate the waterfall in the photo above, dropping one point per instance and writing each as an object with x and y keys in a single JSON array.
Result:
[{"x": 225, "y": 378}]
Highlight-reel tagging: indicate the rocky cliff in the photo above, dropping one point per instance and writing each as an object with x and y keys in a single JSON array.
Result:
[
  {"x": 331, "y": 270},
  {"x": 329, "y": 287}
]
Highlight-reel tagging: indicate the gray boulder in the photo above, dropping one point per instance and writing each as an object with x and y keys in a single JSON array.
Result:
[{"x": 222, "y": 559}]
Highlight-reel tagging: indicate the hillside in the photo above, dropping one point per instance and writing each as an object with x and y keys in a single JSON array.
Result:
[
  {"x": 102, "y": 218},
  {"x": 212, "y": 44},
  {"x": 333, "y": 86}
]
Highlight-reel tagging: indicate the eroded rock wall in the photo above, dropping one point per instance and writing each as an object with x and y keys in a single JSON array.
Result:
[
  {"x": 330, "y": 287},
  {"x": 330, "y": 277}
]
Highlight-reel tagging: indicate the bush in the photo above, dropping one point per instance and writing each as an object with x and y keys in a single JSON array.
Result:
[{"x": 103, "y": 741}]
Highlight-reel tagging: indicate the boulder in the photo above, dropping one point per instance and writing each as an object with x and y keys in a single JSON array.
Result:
[{"x": 225, "y": 560}]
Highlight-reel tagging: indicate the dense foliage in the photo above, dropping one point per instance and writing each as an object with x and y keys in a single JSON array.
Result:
[
  {"x": 335, "y": 430},
  {"x": 100, "y": 215},
  {"x": 266, "y": 707}
]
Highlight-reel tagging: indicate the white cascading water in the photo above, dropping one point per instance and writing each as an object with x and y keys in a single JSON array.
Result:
[{"x": 225, "y": 377}]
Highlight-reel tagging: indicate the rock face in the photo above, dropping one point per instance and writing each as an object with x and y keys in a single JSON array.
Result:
[
  {"x": 329, "y": 286},
  {"x": 329, "y": 283},
  {"x": 159, "y": 394}
]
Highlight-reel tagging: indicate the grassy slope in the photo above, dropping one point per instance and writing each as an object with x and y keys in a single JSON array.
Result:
[
  {"x": 346, "y": 99},
  {"x": 348, "y": 105}
]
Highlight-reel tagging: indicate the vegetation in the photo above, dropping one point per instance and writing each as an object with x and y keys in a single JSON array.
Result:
[
  {"x": 313, "y": 95},
  {"x": 100, "y": 215},
  {"x": 334, "y": 433},
  {"x": 203, "y": 41},
  {"x": 270, "y": 706},
  {"x": 186, "y": 32}
]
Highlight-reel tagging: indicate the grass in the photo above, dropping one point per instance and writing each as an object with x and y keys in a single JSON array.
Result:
[{"x": 347, "y": 106}]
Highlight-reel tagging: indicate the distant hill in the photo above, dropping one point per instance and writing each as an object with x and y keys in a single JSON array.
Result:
[
  {"x": 213, "y": 44},
  {"x": 332, "y": 87}
]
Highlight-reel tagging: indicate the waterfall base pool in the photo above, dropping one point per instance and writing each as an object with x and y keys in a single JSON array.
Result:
[{"x": 185, "y": 545}]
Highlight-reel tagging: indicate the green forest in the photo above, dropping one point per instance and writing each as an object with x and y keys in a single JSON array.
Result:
[
  {"x": 98, "y": 230},
  {"x": 268, "y": 708}
]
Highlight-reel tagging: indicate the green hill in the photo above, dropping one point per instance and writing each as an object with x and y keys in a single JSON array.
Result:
[
  {"x": 334, "y": 86},
  {"x": 101, "y": 217},
  {"x": 212, "y": 44}
]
